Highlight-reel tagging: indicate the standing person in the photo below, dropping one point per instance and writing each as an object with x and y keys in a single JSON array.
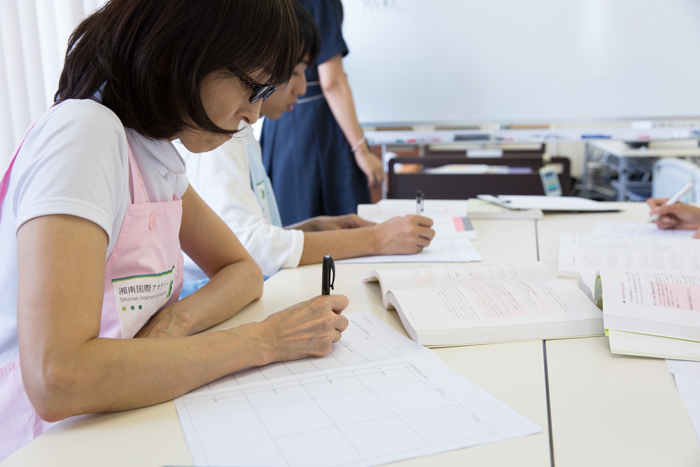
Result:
[
  {"x": 316, "y": 156},
  {"x": 95, "y": 207}
]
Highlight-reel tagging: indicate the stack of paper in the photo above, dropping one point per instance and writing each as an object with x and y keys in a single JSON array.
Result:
[
  {"x": 647, "y": 282},
  {"x": 377, "y": 398},
  {"x": 453, "y": 231}
]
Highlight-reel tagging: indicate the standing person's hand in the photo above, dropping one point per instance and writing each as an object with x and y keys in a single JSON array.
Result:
[
  {"x": 679, "y": 216},
  {"x": 371, "y": 166}
]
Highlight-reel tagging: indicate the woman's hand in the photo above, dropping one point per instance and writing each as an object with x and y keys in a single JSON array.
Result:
[
  {"x": 679, "y": 216},
  {"x": 167, "y": 322},
  {"x": 307, "y": 329},
  {"x": 371, "y": 166},
  {"x": 404, "y": 235}
]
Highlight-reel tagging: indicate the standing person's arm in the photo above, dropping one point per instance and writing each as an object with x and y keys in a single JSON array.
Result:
[{"x": 338, "y": 94}]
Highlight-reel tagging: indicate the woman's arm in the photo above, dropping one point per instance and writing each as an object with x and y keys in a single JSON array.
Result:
[
  {"x": 322, "y": 223},
  {"x": 216, "y": 250},
  {"x": 398, "y": 236},
  {"x": 336, "y": 90},
  {"x": 67, "y": 370}
]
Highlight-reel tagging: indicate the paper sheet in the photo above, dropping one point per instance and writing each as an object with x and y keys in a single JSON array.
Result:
[
  {"x": 687, "y": 375},
  {"x": 581, "y": 253},
  {"x": 449, "y": 220},
  {"x": 440, "y": 250},
  {"x": 550, "y": 203},
  {"x": 400, "y": 207},
  {"x": 361, "y": 415},
  {"x": 367, "y": 339},
  {"x": 638, "y": 229}
]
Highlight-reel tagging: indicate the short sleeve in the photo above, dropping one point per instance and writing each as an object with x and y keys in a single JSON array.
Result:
[
  {"x": 329, "y": 18},
  {"x": 74, "y": 161}
]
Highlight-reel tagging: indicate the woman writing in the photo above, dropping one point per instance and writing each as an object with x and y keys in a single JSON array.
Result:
[{"x": 96, "y": 206}]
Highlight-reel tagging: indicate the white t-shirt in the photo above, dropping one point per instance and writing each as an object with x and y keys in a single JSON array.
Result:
[
  {"x": 222, "y": 178},
  {"x": 75, "y": 161}
]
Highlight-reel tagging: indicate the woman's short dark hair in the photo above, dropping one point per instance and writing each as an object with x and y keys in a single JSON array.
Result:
[
  {"x": 309, "y": 35},
  {"x": 152, "y": 55}
]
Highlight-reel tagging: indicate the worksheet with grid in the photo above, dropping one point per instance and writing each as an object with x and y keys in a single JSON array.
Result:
[
  {"x": 359, "y": 415},
  {"x": 367, "y": 339}
]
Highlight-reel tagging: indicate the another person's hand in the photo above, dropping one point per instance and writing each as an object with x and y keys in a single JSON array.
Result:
[
  {"x": 349, "y": 221},
  {"x": 307, "y": 329},
  {"x": 405, "y": 235},
  {"x": 679, "y": 216},
  {"x": 371, "y": 166}
]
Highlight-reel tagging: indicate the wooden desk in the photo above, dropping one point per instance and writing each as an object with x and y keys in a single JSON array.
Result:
[
  {"x": 514, "y": 373},
  {"x": 610, "y": 410}
]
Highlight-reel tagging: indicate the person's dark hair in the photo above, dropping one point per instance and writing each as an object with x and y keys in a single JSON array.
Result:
[
  {"x": 309, "y": 35},
  {"x": 152, "y": 55}
]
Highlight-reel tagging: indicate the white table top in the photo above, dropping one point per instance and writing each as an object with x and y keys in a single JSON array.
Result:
[
  {"x": 512, "y": 372},
  {"x": 610, "y": 410},
  {"x": 657, "y": 149},
  {"x": 604, "y": 409}
]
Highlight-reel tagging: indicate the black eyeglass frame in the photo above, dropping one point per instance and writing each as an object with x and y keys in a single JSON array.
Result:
[{"x": 260, "y": 91}]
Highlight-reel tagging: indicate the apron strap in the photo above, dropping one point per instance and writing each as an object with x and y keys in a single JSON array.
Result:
[{"x": 140, "y": 195}]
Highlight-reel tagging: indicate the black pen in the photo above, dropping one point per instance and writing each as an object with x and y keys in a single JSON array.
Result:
[
  {"x": 327, "y": 267},
  {"x": 420, "y": 203}
]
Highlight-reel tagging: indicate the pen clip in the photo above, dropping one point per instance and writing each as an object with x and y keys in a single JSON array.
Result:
[
  {"x": 420, "y": 201},
  {"x": 331, "y": 283}
]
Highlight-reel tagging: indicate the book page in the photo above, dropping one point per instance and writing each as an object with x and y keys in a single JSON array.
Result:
[
  {"x": 367, "y": 339},
  {"x": 618, "y": 253},
  {"x": 645, "y": 229},
  {"x": 657, "y": 298},
  {"x": 440, "y": 250},
  {"x": 362, "y": 415},
  {"x": 462, "y": 274},
  {"x": 489, "y": 305}
]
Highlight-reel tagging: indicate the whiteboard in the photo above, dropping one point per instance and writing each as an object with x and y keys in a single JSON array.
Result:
[{"x": 522, "y": 61}]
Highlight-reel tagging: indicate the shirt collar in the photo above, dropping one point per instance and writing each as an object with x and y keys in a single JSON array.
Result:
[{"x": 161, "y": 152}]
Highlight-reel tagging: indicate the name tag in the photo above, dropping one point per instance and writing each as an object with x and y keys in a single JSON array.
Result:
[
  {"x": 263, "y": 201},
  {"x": 140, "y": 297}
]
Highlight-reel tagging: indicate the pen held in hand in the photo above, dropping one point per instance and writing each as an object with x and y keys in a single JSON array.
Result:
[
  {"x": 327, "y": 267},
  {"x": 674, "y": 199}
]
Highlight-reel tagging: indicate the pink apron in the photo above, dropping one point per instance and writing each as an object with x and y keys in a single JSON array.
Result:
[{"x": 142, "y": 275}]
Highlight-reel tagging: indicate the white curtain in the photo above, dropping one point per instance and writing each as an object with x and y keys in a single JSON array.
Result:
[{"x": 33, "y": 39}]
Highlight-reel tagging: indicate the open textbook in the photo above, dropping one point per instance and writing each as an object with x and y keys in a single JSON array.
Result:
[
  {"x": 589, "y": 253},
  {"x": 381, "y": 399},
  {"x": 651, "y": 313},
  {"x": 484, "y": 303}
]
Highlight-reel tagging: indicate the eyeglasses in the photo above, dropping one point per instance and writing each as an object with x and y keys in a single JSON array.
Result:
[{"x": 260, "y": 91}]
